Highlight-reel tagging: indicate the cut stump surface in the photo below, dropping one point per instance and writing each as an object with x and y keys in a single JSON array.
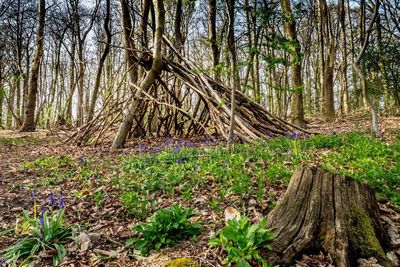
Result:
[{"x": 325, "y": 212}]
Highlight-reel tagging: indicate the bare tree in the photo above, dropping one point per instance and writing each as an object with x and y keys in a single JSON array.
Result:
[
  {"x": 150, "y": 77},
  {"x": 360, "y": 72},
  {"x": 101, "y": 62},
  {"x": 234, "y": 66},
  {"x": 297, "y": 81},
  {"x": 29, "y": 123}
]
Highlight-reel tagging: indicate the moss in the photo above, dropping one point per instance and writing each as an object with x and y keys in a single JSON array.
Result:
[
  {"x": 362, "y": 238},
  {"x": 181, "y": 262}
]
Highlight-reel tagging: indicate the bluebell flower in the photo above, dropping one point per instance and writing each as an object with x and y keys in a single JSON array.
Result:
[
  {"x": 179, "y": 161},
  {"x": 190, "y": 144},
  {"x": 176, "y": 150},
  {"x": 33, "y": 194},
  {"x": 45, "y": 208},
  {"x": 82, "y": 160},
  {"x": 52, "y": 201},
  {"x": 41, "y": 222},
  {"x": 207, "y": 143},
  {"x": 3, "y": 262},
  {"x": 142, "y": 148},
  {"x": 156, "y": 149},
  {"x": 61, "y": 204},
  {"x": 293, "y": 136},
  {"x": 181, "y": 143},
  {"x": 170, "y": 140}
]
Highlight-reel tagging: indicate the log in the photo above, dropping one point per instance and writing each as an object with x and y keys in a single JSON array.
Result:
[{"x": 326, "y": 212}]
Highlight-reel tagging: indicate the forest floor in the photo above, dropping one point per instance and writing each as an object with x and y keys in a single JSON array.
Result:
[{"x": 197, "y": 172}]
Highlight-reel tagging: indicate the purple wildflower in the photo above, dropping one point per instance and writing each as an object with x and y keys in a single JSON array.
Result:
[
  {"x": 33, "y": 194},
  {"x": 293, "y": 136},
  {"x": 52, "y": 201},
  {"x": 3, "y": 262},
  {"x": 41, "y": 222},
  {"x": 207, "y": 143},
  {"x": 61, "y": 204},
  {"x": 190, "y": 144},
  {"x": 142, "y": 148},
  {"x": 181, "y": 143},
  {"x": 176, "y": 150},
  {"x": 82, "y": 160}
]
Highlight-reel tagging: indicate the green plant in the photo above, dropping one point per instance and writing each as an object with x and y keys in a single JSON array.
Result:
[
  {"x": 243, "y": 240},
  {"x": 214, "y": 204},
  {"x": 99, "y": 197},
  {"x": 136, "y": 204},
  {"x": 46, "y": 233},
  {"x": 165, "y": 228}
]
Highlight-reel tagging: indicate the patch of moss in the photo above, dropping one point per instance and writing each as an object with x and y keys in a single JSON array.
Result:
[
  {"x": 181, "y": 262},
  {"x": 362, "y": 238}
]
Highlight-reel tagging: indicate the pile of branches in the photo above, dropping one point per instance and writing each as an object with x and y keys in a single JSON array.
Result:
[
  {"x": 251, "y": 119},
  {"x": 207, "y": 109}
]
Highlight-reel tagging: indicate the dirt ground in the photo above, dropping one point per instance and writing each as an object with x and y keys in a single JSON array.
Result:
[{"x": 106, "y": 229}]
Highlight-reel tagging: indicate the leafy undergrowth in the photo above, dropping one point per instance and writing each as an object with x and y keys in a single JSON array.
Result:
[
  {"x": 242, "y": 171},
  {"x": 206, "y": 176}
]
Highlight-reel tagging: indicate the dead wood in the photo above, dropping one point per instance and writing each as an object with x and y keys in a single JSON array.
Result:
[{"x": 326, "y": 212}]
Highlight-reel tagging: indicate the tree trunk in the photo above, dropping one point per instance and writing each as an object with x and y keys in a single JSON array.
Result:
[
  {"x": 212, "y": 35},
  {"x": 345, "y": 90},
  {"x": 360, "y": 72},
  {"x": 1, "y": 92},
  {"x": 325, "y": 212},
  {"x": 295, "y": 68},
  {"x": 72, "y": 84},
  {"x": 234, "y": 68},
  {"x": 29, "y": 118},
  {"x": 328, "y": 68},
  {"x": 101, "y": 63},
  {"x": 149, "y": 79}
]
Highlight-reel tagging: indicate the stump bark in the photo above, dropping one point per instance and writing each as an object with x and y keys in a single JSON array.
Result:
[{"x": 325, "y": 212}]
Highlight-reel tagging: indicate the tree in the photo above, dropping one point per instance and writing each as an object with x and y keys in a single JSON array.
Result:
[
  {"x": 296, "y": 77},
  {"x": 234, "y": 66},
  {"x": 102, "y": 61},
  {"x": 29, "y": 123},
  {"x": 361, "y": 75},
  {"x": 328, "y": 45},
  {"x": 150, "y": 77},
  {"x": 81, "y": 35},
  {"x": 212, "y": 35}
]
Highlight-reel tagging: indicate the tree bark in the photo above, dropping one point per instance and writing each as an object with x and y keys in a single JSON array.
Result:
[
  {"x": 332, "y": 213},
  {"x": 212, "y": 35},
  {"x": 345, "y": 90},
  {"x": 327, "y": 35},
  {"x": 101, "y": 62},
  {"x": 234, "y": 68},
  {"x": 296, "y": 79},
  {"x": 360, "y": 72},
  {"x": 29, "y": 123},
  {"x": 150, "y": 77}
]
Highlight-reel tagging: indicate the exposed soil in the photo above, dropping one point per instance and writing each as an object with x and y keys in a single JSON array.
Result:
[{"x": 107, "y": 227}]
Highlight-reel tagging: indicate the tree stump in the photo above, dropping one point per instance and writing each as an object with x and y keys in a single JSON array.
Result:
[{"x": 325, "y": 212}]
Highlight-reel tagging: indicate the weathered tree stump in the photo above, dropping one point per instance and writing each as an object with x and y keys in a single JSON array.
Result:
[{"x": 325, "y": 212}]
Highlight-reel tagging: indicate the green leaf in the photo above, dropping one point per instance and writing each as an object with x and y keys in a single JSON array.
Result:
[{"x": 243, "y": 263}]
